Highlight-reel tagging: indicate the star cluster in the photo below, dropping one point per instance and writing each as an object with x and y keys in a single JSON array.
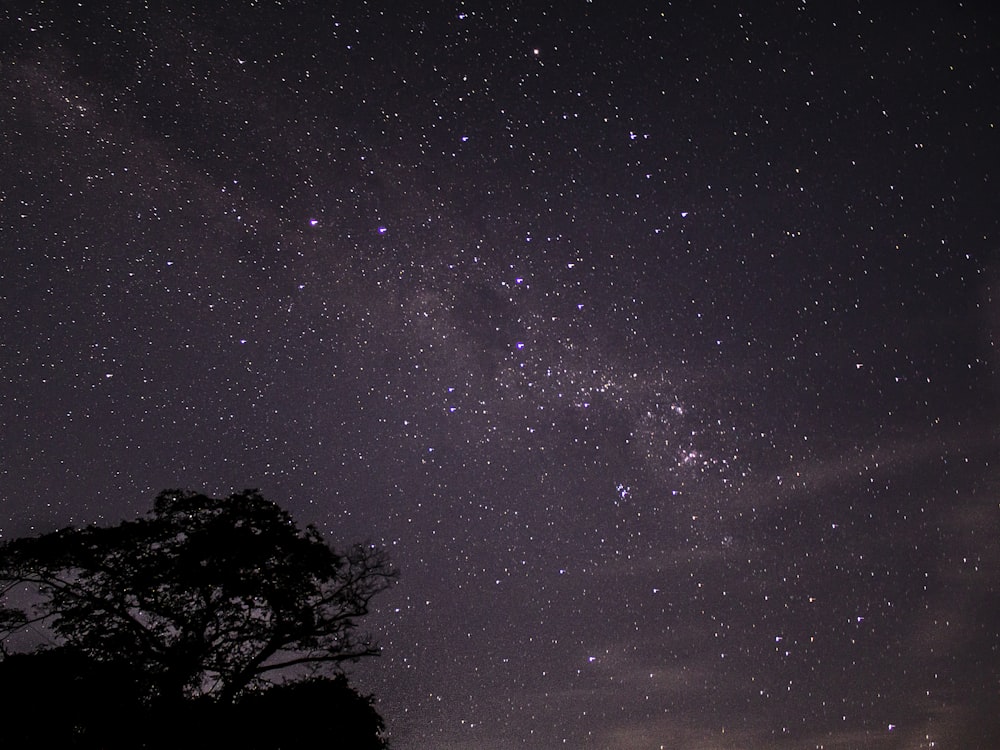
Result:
[{"x": 657, "y": 344}]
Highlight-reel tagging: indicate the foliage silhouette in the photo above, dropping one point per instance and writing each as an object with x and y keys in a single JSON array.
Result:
[
  {"x": 313, "y": 713},
  {"x": 198, "y": 607},
  {"x": 62, "y": 698}
]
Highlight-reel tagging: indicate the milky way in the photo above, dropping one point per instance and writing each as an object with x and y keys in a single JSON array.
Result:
[{"x": 657, "y": 345}]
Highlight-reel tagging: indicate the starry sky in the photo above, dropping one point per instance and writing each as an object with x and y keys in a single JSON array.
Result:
[{"x": 656, "y": 342}]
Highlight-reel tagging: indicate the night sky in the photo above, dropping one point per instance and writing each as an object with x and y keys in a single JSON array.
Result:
[{"x": 658, "y": 345}]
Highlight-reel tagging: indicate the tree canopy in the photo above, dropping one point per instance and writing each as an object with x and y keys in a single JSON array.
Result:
[{"x": 202, "y": 597}]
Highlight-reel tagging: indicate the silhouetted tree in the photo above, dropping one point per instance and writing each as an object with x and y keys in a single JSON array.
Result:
[
  {"x": 204, "y": 597},
  {"x": 61, "y": 698}
]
